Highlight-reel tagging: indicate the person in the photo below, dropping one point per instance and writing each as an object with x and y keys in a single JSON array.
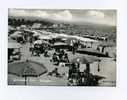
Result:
[
  {"x": 61, "y": 55},
  {"x": 103, "y": 48},
  {"x": 46, "y": 53},
  {"x": 74, "y": 71},
  {"x": 75, "y": 47},
  {"x": 32, "y": 50},
  {"x": 88, "y": 79},
  {"x": 66, "y": 59},
  {"x": 98, "y": 49},
  {"x": 88, "y": 67},
  {"x": 54, "y": 72},
  {"x": 57, "y": 50},
  {"x": 70, "y": 72},
  {"x": 37, "y": 49},
  {"x": 106, "y": 53},
  {"x": 55, "y": 59}
]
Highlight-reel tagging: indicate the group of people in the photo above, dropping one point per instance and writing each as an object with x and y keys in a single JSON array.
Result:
[
  {"x": 75, "y": 76},
  {"x": 74, "y": 46},
  {"x": 78, "y": 78},
  {"x": 38, "y": 49},
  {"x": 60, "y": 56}
]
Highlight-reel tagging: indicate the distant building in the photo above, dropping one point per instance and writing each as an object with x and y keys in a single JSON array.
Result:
[
  {"x": 36, "y": 25},
  {"x": 55, "y": 25}
]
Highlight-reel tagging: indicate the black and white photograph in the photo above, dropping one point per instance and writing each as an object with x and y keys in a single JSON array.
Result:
[{"x": 62, "y": 47}]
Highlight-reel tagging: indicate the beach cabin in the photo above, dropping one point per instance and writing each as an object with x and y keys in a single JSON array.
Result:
[{"x": 14, "y": 51}]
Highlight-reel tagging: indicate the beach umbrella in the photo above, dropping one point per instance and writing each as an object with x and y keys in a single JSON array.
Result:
[
  {"x": 36, "y": 34},
  {"x": 26, "y": 69},
  {"x": 38, "y": 42},
  {"x": 44, "y": 32},
  {"x": 62, "y": 36},
  {"x": 60, "y": 45},
  {"x": 13, "y": 45},
  {"x": 99, "y": 77},
  {"x": 86, "y": 59},
  {"x": 41, "y": 42},
  {"x": 45, "y": 37},
  {"x": 11, "y": 40},
  {"x": 87, "y": 39},
  {"x": 16, "y": 34},
  {"x": 69, "y": 40},
  {"x": 107, "y": 44},
  {"x": 11, "y": 28}
]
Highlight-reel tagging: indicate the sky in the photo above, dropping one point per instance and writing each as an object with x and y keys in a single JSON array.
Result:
[{"x": 105, "y": 17}]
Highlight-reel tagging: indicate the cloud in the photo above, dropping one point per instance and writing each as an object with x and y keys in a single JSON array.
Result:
[
  {"x": 64, "y": 15},
  {"x": 100, "y": 17},
  {"x": 92, "y": 16},
  {"x": 26, "y": 13},
  {"x": 61, "y": 15},
  {"x": 95, "y": 14},
  {"x": 14, "y": 12},
  {"x": 39, "y": 13}
]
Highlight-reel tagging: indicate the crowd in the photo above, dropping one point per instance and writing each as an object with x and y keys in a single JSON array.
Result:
[{"x": 60, "y": 57}]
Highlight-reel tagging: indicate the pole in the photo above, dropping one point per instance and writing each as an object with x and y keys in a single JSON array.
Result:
[
  {"x": 25, "y": 80},
  {"x": 88, "y": 67},
  {"x": 98, "y": 66}
]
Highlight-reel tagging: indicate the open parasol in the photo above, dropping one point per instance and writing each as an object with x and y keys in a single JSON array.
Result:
[
  {"x": 16, "y": 34},
  {"x": 107, "y": 44},
  {"x": 45, "y": 37},
  {"x": 36, "y": 34},
  {"x": 85, "y": 59},
  {"x": 61, "y": 45},
  {"x": 26, "y": 69},
  {"x": 12, "y": 45}
]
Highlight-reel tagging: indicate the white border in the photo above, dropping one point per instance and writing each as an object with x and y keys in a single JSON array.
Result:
[{"x": 65, "y": 93}]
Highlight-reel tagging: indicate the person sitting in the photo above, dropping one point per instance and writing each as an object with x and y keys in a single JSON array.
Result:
[
  {"x": 57, "y": 50},
  {"x": 98, "y": 49},
  {"x": 54, "y": 72},
  {"x": 46, "y": 54},
  {"x": 55, "y": 59},
  {"x": 66, "y": 59},
  {"x": 37, "y": 49}
]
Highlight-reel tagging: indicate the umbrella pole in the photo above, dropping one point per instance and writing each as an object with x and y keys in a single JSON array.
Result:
[
  {"x": 88, "y": 67},
  {"x": 91, "y": 44},
  {"x": 25, "y": 80},
  {"x": 98, "y": 66}
]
